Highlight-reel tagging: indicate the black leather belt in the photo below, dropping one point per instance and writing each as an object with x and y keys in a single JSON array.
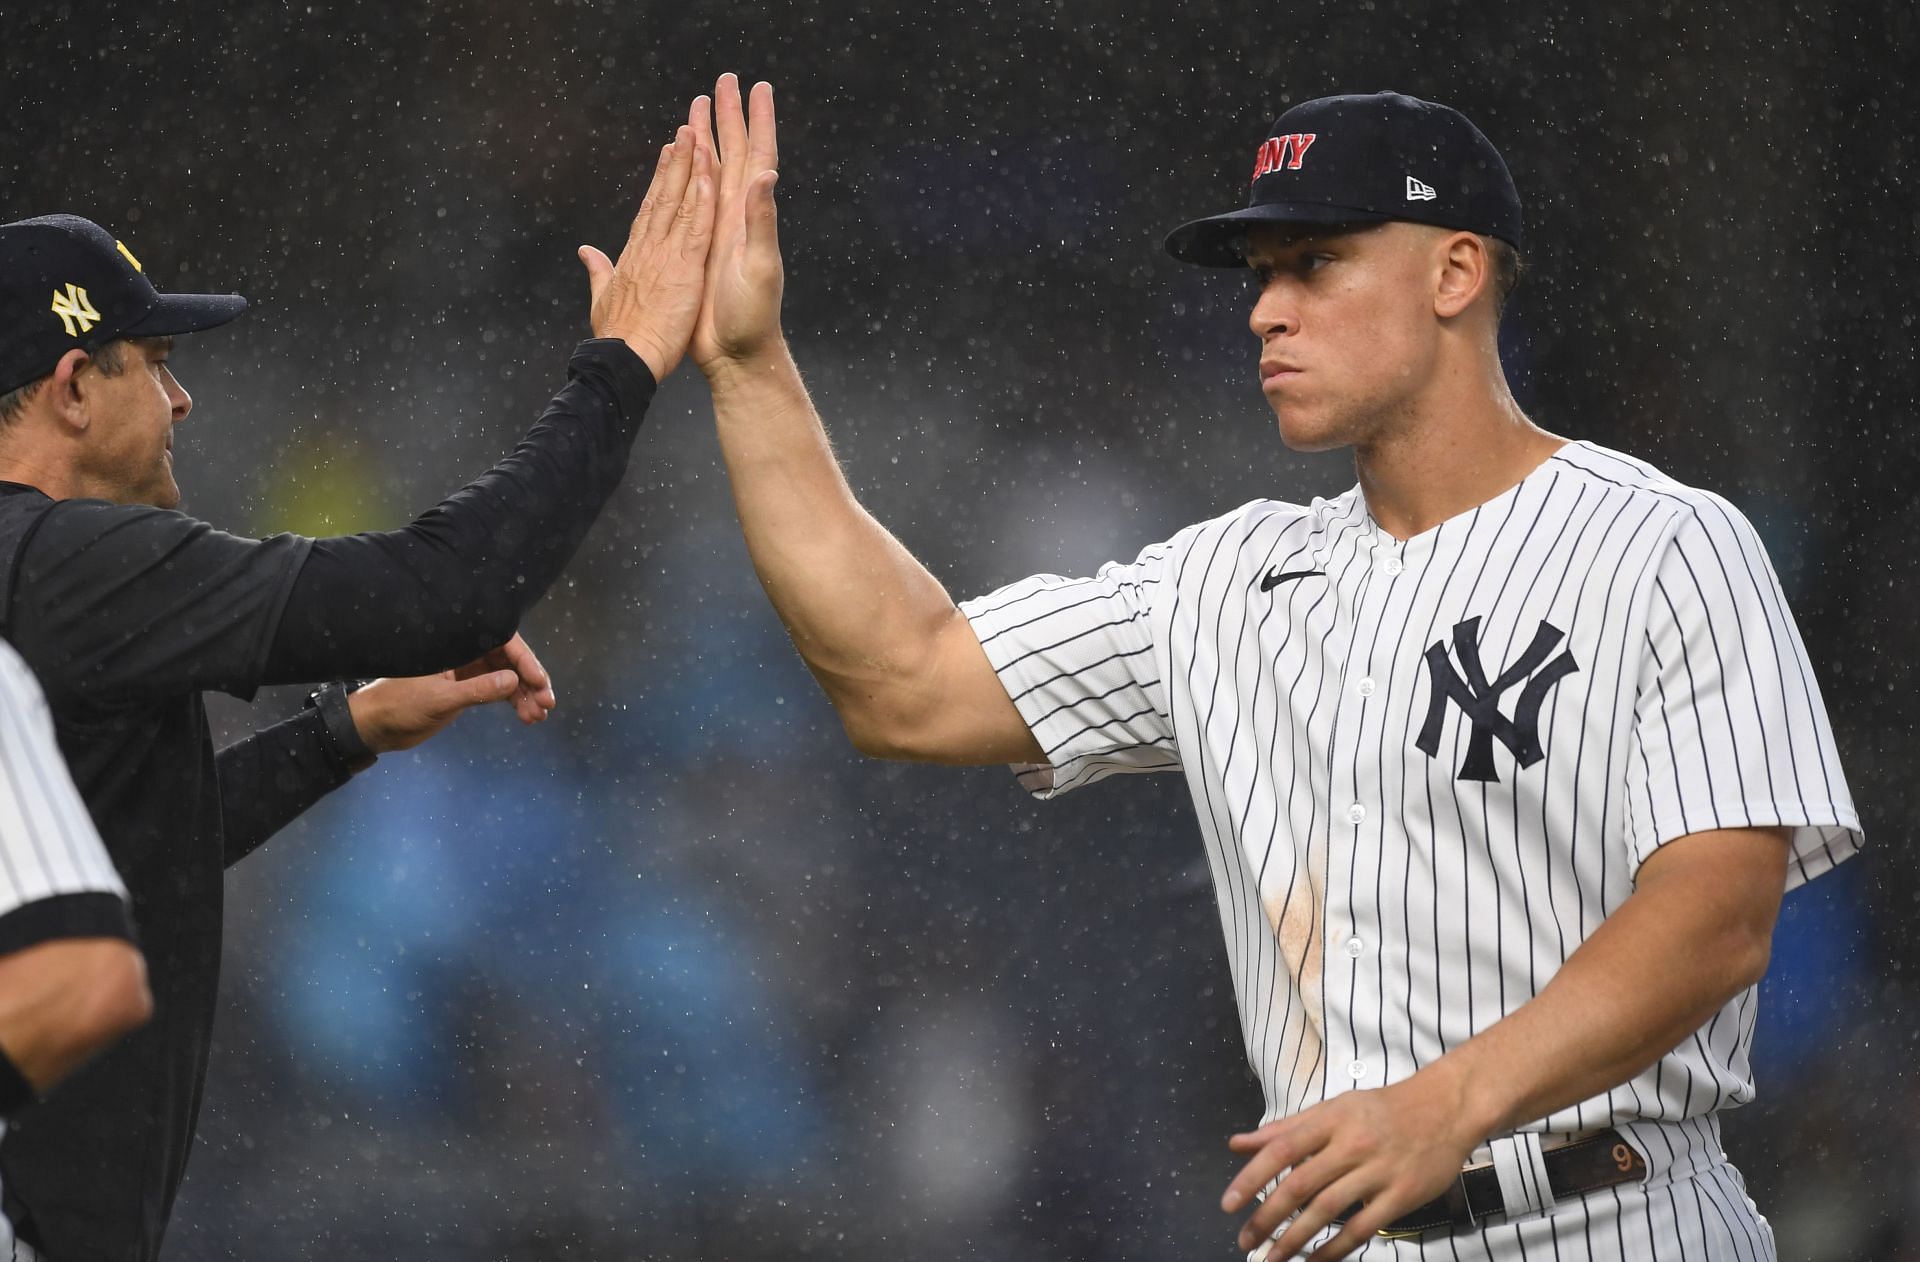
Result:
[{"x": 1573, "y": 1170}]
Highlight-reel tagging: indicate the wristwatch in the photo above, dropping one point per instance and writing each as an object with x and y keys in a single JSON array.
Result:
[{"x": 342, "y": 736}]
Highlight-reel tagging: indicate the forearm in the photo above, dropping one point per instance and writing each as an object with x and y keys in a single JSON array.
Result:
[
  {"x": 1651, "y": 975},
  {"x": 456, "y": 582},
  {"x": 63, "y": 1000},
  {"x": 271, "y": 777},
  {"x": 861, "y": 610}
]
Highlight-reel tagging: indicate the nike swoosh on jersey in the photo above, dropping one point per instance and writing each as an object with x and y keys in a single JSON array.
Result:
[{"x": 1274, "y": 578}]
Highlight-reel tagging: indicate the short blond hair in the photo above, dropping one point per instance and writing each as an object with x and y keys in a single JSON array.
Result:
[{"x": 1506, "y": 271}]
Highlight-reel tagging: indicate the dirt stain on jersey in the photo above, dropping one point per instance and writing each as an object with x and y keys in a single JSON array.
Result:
[{"x": 1295, "y": 913}]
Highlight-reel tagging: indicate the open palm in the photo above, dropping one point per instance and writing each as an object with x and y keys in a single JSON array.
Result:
[{"x": 741, "y": 313}]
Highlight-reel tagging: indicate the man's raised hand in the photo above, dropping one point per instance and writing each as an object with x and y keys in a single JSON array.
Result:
[
  {"x": 652, "y": 296},
  {"x": 740, "y": 318}
]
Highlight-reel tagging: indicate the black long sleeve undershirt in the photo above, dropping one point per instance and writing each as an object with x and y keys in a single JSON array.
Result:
[
  {"x": 119, "y": 607},
  {"x": 456, "y": 582},
  {"x": 437, "y": 593},
  {"x": 269, "y": 778}
]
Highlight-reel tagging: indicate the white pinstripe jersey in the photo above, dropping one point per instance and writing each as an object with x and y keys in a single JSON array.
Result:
[
  {"x": 48, "y": 844},
  {"x": 1426, "y": 770}
]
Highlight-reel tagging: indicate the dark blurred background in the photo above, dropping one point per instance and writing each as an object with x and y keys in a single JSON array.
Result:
[{"x": 679, "y": 976}]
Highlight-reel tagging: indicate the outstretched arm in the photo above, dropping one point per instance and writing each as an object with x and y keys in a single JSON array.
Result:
[
  {"x": 896, "y": 657},
  {"x": 125, "y": 604},
  {"x": 456, "y": 582}
]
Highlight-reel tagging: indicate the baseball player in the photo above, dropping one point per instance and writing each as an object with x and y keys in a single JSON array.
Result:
[
  {"x": 1502, "y": 758},
  {"x": 71, "y": 980}
]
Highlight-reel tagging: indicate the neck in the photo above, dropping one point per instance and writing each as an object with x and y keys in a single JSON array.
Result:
[
  {"x": 29, "y": 465},
  {"x": 1448, "y": 454}
]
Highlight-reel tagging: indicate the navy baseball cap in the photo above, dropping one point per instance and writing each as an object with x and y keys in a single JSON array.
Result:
[
  {"x": 1364, "y": 159},
  {"x": 65, "y": 282}
]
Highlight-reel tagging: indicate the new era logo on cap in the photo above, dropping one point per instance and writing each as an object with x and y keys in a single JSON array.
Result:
[{"x": 1418, "y": 192}]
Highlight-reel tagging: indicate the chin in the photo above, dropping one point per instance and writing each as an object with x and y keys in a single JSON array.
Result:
[{"x": 1308, "y": 433}]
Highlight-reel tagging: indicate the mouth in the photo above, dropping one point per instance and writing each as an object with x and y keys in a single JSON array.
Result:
[{"x": 1273, "y": 373}]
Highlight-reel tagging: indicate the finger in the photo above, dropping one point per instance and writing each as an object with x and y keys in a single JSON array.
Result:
[
  {"x": 1254, "y": 1141},
  {"x": 732, "y": 122},
  {"x": 763, "y": 142},
  {"x": 599, "y": 270},
  {"x": 528, "y": 708},
  {"x": 673, "y": 186},
  {"x": 1277, "y": 1156},
  {"x": 700, "y": 118},
  {"x": 484, "y": 689},
  {"x": 1352, "y": 1236},
  {"x": 763, "y": 221},
  {"x": 699, "y": 227},
  {"x": 534, "y": 697},
  {"x": 1298, "y": 1188},
  {"x": 486, "y": 663},
  {"x": 518, "y": 656},
  {"x": 651, "y": 198},
  {"x": 1342, "y": 1195}
]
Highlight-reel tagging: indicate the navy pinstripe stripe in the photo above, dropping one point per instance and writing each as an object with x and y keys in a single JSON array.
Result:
[
  {"x": 1048, "y": 613},
  {"x": 1064, "y": 674}
]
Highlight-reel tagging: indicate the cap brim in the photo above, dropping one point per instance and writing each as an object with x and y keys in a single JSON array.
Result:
[
  {"x": 186, "y": 313},
  {"x": 1219, "y": 240}
]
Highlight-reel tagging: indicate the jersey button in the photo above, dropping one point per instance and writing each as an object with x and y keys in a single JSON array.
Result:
[
  {"x": 1356, "y": 813},
  {"x": 1357, "y": 1070},
  {"x": 1354, "y": 948},
  {"x": 1393, "y": 565},
  {"x": 1364, "y": 687}
]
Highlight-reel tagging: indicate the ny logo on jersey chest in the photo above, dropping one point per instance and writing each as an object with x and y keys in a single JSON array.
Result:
[{"x": 1479, "y": 699}]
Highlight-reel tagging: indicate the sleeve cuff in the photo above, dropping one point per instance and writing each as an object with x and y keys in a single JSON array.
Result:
[
  {"x": 92, "y": 915},
  {"x": 611, "y": 364},
  {"x": 328, "y": 708},
  {"x": 1822, "y": 838}
]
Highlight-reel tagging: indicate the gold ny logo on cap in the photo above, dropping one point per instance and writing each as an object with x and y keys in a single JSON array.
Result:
[{"x": 75, "y": 310}]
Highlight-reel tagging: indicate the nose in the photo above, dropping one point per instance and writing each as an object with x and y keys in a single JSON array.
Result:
[
  {"x": 1272, "y": 314},
  {"x": 177, "y": 397}
]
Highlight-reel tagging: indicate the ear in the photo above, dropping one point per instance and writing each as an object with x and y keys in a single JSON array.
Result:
[
  {"x": 66, "y": 392},
  {"x": 1465, "y": 273}
]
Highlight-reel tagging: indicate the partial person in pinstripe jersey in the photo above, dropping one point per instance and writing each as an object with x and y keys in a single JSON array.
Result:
[
  {"x": 71, "y": 978},
  {"x": 1503, "y": 758}
]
